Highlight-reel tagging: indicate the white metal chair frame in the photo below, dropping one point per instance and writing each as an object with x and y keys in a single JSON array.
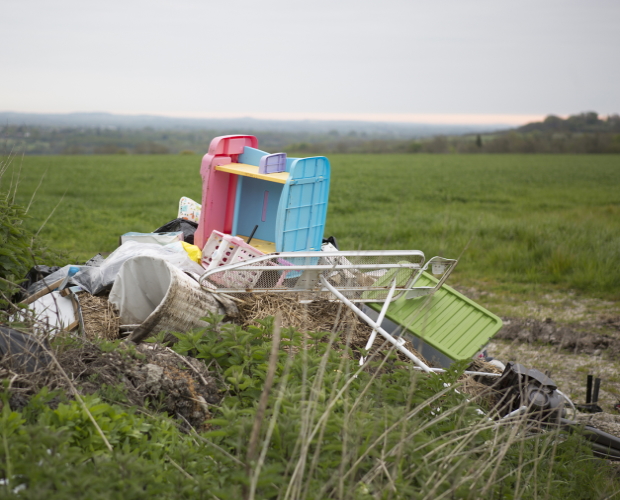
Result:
[{"x": 314, "y": 282}]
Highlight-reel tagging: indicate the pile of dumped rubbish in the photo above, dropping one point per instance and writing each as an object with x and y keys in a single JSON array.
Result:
[{"x": 254, "y": 246}]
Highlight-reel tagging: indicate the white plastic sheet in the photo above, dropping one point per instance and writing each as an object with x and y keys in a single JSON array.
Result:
[
  {"x": 155, "y": 238},
  {"x": 51, "y": 313},
  {"x": 97, "y": 279}
]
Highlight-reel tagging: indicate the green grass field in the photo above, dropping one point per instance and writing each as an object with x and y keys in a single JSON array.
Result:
[
  {"x": 518, "y": 220},
  {"x": 525, "y": 223}
]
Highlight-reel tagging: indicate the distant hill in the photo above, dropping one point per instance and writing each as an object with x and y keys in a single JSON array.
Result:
[
  {"x": 588, "y": 123},
  {"x": 241, "y": 125},
  {"x": 585, "y": 133},
  {"x": 106, "y": 133}
]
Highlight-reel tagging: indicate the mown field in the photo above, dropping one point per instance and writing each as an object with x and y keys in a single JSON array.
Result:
[{"x": 519, "y": 222}]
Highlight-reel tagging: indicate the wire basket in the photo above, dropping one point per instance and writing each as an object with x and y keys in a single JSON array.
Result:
[{"x": 361, "y": 276}]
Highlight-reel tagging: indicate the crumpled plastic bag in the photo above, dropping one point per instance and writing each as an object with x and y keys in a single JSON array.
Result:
[
  {"x": 56, "y": 280},
  {"x": 156, "y": 238},
  {"x": 187, "y": 226},
  {"x": 193, "y": 252},
  {"x": 96, "y": 279}
]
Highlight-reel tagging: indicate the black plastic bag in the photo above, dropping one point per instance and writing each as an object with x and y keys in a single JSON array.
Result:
[
  {"x": 27, "y": 353},
  {"x": 187, "y": 226},
  {"x": 37, "y": 273},
  {"x": 332, "y": 240}
]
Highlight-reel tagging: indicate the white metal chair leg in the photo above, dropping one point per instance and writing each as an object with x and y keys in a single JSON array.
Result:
[
  {"x": 380, "y": 330},
  {"x": 384, "y": 309}
]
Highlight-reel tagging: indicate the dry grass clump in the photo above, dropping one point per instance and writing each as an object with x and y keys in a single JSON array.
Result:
[
  {"x": 318, "y": 316},
  {"x": 480, "y": 388},
  {"x": 479, "y": 365},
  {"x": 100, "y": 318}
]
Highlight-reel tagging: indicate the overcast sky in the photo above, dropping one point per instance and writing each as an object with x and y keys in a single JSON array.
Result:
[{"x": 402, "y": 60}]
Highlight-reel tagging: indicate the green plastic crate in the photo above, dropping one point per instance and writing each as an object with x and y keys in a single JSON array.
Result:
[{"x": 448, "y": 322}]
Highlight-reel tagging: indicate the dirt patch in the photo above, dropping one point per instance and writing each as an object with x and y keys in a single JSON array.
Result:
[
  {"x": 603, "y": 421},
  {"x": 577, "y": 339},
  {"x": 148, "y": 376},
  {"x": 568, "y": 371}
]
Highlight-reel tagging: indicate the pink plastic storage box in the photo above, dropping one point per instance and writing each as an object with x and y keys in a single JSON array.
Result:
[{"x": 222, "y": 249}]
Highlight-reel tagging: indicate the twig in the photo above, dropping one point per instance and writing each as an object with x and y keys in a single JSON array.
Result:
[
  {"x": 11, "y": 381},
  {"x": 50, "y": 215},
  {"x": 202, "y": 379},
  {"x": 35, "y": 191},
  {"x": 181, "y": 469},
  {"x": 204, "y": 440},
  {"x": 232, "y": 297},
  {"x": 78, "y": 397}
]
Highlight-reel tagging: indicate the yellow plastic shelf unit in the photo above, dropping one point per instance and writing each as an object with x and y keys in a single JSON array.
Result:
[
  {"x": 252, "y": 171},
  {"x": 262, "y": 245}
]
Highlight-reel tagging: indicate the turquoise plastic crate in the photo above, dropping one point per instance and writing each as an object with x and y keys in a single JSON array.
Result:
[{"x": 295, "y": 212}]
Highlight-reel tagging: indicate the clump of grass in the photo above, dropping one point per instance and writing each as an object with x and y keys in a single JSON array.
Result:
[
  {"x": 16, "y": 243},
  {"x": 20, "y": 248}
]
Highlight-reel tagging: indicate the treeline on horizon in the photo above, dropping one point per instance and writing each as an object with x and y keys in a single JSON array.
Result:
[{"x": 585, "y": 133}]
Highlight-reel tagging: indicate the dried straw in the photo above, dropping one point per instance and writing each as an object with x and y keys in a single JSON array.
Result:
[
  {"x": 100, "y": 319},
  {"x": 481, "y": 388},
  {"x": 479, "y": 365},
  {"x": 317, "y": 316}
]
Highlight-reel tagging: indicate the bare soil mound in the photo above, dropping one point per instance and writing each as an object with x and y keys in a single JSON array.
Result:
[
  {"x": 582, "y": 338},
  {"x": 148, "y": 376}
]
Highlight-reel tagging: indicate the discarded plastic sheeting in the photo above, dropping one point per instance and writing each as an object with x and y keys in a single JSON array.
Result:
[
  {"x": 35, "y": 274},
  {"x": 53, "y": 281},
  {"x": 25, "y": 352},
  {"x": 187, "y": 226},
  {"x": 154, "y": 238},
  {"x": 97, "y": 279},
  {"x": 159, "y": 297},
  {"x": 51, "y": 313},
  {"x": 95, "y": 261},
  {"x": 193, "y": 252}
]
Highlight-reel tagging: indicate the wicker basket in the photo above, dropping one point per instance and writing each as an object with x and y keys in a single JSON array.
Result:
[{"x": 157, "y": 296}]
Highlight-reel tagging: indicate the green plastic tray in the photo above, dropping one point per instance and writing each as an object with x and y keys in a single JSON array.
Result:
[{"x": 447, "y": 321}]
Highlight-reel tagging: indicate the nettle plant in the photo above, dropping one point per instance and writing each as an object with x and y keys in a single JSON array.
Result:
[
  {"x": 334, "y": 430},
  {"x": 328, "y": 429},
  {"x": 15, "y": 246}
]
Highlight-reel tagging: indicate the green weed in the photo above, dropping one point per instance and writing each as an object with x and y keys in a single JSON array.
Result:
[{"x": 330, "y": 430}]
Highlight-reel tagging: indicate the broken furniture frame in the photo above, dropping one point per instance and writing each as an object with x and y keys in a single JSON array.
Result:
[
  {"x": 360, "y": 275},
  {"x": 349, "y": 276}
]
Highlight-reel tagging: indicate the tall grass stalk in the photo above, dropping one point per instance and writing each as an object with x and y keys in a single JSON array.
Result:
[{"x": 379, "y": 431}]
